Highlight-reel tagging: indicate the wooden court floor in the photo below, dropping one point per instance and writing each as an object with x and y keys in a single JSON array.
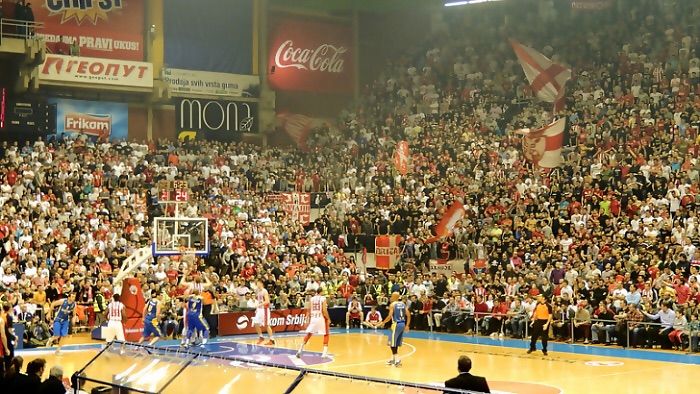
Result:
[{"x": 425, "y": 358}]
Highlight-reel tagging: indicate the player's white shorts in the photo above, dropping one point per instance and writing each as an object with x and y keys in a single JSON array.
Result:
[
  {"x": 115, "y": 329},
  {"x": 317, "y": 326},
  {"x": 262, "y": 317}
]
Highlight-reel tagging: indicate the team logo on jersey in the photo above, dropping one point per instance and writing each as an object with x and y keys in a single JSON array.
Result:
[
  {"x": 242, "y": 322},
  {"x": 80, "y": 11},
  {"x": 133, "y": 290}
]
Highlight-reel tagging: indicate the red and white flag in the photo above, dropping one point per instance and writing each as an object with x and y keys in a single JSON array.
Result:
[
  {"x": 386, "y": 251},
  {"x": 401, "y": 157},
  {"x": 547, "y": 79},
  {"x": 449, "y": 220},
  {"x": 543, "y": 146},
  {"x": 298, "y": 127}
]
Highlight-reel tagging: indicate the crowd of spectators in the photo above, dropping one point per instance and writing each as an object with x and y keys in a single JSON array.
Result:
[{"x": 610, "y": 237}]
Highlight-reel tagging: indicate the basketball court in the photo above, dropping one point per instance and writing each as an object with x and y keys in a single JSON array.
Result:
[{"x": 427, "y": 358}]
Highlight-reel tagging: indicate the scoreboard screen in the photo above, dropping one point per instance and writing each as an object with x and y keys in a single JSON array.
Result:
[
  {"x": 173, "y": 191},
  {"x": 26, "y": 116}
]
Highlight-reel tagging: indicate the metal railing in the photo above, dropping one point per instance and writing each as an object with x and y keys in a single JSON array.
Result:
[
  {"x": 188, "y": 356},
  {"x": 15, "y": 28},
  {"x": 479, "y": 320}
]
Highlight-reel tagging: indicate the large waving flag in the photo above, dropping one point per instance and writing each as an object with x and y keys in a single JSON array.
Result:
[
  {"x": 448, "y": 222},
  {"x": 547, "y": 79},
  {"x": 298, "y": 127},
  {"x": 543, "y": 146},
  {"x": 401, "y": 157}
]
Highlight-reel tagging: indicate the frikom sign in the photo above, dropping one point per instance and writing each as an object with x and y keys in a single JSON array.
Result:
[
  {"x": 91, "y": 124},
  {"x": 67, "y": 69},
  {"x": 311, "y": 56},
  {"x": 214, "y": 119}
]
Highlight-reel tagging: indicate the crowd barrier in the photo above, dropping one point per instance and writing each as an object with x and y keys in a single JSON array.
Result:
[
  {"x": 175, "y": 365},
  {"x": 650, "y": 336}
]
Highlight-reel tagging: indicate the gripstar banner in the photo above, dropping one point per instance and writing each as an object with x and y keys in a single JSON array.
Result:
[
  {"x": 311, "y": 56},
  {"x": 110, "y": 29},
  {"x": 94, "y": 119},
  {"x": 218, "y": 120}
]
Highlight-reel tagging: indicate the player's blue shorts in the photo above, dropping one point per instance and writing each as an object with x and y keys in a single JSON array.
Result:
[
  {"x": 196, "y": 323},
  {"x": 396, "y": 334},
  {"x": 60, "y": 328},
  {"x": 149, "y": 329}
]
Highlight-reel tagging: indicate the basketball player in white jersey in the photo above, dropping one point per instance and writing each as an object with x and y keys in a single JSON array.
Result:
[
  {"x": 262, "y": 314},
  {"x": 318, "y": 323},
  {"x": 116, "y": 315}
]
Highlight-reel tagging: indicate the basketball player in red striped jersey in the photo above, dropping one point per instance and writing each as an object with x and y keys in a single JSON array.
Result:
[
  {"x": 115, "y": 314},
  {"x": 318, "y": 322},
  {"x": 262, "y": 314}
]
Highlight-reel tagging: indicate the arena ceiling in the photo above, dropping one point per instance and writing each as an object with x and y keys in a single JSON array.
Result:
[{"x": 338, "y": 6}]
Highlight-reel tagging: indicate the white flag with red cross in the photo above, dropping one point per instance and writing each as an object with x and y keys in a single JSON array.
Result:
[{"x": 547, "y": 79}]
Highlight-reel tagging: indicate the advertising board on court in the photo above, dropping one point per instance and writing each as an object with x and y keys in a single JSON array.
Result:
[{"x": 237, "y": 323}]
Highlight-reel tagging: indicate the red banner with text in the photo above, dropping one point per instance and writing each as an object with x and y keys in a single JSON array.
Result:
[
  {"x": 298, "y": 206},
  {"x": 111, "y": 29},
  {"x": 311, "y": 56},
  {"x": 237, "y": 323}
]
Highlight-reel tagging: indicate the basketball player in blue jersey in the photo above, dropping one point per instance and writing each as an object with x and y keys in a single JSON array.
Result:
[
  {"x": 151, "y": 319},
  {"x": 400, "y": 319},
  {"x": 195, "y": 320},
  {"x": 62, "y": 319}
]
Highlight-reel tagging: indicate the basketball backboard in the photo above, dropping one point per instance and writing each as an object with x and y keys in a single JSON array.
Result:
[{"x": 178, "y": 235}]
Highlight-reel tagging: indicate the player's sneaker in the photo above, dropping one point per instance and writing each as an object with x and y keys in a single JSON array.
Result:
[
  {"x": 260, "y": 341},
  {"x": 397, "y": 363},
  {"x": 269, "y": 342},
  {"x": 298, "y": 354},
  {"x": 390, "y": 362}
]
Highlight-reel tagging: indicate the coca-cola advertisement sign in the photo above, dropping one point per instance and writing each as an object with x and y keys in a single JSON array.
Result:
[{"x": 311, "y": 56}]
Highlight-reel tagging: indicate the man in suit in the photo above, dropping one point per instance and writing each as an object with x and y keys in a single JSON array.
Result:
[
  {"x": 465, "y": 380},
  {"x": 30, "y": 383}
]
